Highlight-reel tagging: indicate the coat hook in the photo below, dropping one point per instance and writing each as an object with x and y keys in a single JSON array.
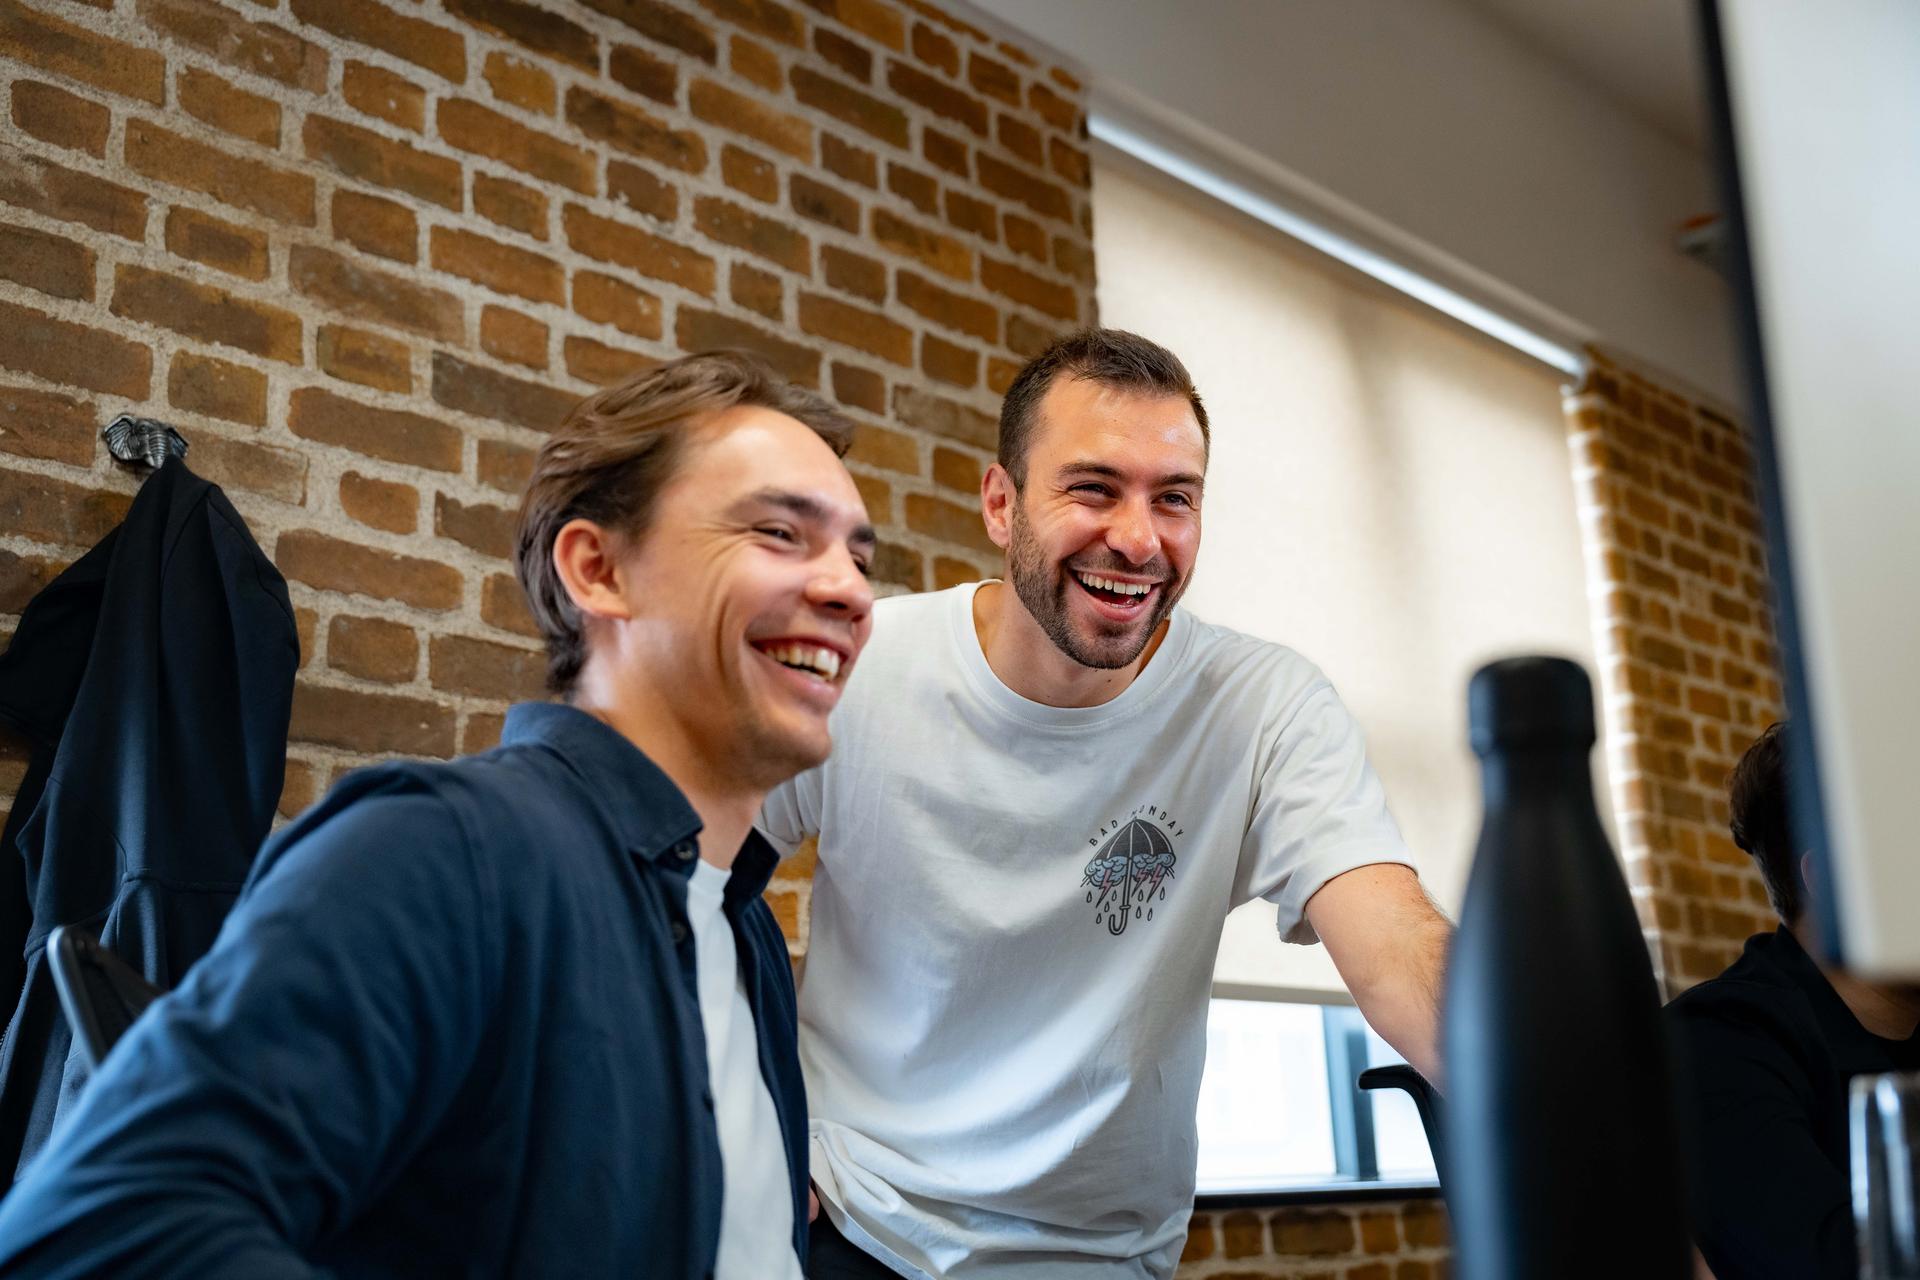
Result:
[{"x": 143, "y": 441}]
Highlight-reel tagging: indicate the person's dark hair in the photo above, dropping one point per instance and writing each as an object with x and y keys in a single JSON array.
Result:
[
  {"x": 614, "y": 453},
  {"x": 1111, "y": 357},
  {"x": 1757, "y": 819}
]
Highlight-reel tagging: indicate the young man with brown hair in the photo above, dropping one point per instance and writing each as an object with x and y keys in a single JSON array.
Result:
[
  {"x": 525, "y": 1013},
  {"x": 1045, "y": 795}
]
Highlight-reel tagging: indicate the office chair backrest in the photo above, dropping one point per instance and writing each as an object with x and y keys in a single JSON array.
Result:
[
  {"x": 1425, "y": 1099},
  {"x": 100, "y": 993}
]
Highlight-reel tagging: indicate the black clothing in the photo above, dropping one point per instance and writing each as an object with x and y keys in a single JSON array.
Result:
[
  {"x": 154, "y": 680},
  {"x": 831, "y": 1256},
  {"x": 1766, "y": 1050}
]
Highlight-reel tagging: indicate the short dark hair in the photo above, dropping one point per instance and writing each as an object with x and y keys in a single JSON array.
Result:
[
  {"x": 1757, "y": 819},
  {"x": 1111, "y": 357},
  {"x": 614, "y": 453}
]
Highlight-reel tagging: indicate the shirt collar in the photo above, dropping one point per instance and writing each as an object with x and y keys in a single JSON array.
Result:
[
  {"x": 1850, "y": 1040},
  {"x": 649, "y": 813}
]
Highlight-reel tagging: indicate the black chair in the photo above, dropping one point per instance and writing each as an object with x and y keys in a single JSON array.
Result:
[
  {"x": 100, "y": 993},
  {"x": 1426, "y": 1100}
]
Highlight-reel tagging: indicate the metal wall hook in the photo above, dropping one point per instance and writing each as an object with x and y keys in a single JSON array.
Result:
[{"x": 143, "y": 441}]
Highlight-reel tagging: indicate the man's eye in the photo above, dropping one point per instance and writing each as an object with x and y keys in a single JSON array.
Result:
[
  {"x": 866, "y": 570},
  {"x": 775, "y": 531},
  {"x": 1097, "y": 490},
  {"x": 1178, "y": 499}
]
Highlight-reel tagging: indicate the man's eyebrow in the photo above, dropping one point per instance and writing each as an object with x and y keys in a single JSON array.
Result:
[
  {"x": 806, "y": 507},
  {"x": 1087, "y": 467}
]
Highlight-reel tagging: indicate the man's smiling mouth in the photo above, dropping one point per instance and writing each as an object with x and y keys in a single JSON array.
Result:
[
  {"x": 813, "y": 659},
  {"x": 1115, "y": 593}
]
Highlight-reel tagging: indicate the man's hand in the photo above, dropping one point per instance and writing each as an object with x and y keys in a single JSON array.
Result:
[
  {"x": 813, "y": 1203},
  {"x": 1390, "y": 944}
]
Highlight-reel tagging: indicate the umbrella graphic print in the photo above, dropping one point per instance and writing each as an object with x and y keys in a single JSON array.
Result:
[{"x": 1128, "y": 874}]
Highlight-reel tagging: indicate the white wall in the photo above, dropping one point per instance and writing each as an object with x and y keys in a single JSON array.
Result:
[{"x": 1436, "y": 120}]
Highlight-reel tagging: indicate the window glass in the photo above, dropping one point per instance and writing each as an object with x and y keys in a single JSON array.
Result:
[
  {"x": 1264, "y": 1118},
  {"x": 1399, "y": 1139}
]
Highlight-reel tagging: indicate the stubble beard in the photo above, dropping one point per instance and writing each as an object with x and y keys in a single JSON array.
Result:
[{"x": 1042, "y": 586}]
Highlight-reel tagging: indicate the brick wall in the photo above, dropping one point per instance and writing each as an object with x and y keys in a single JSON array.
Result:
[
  {"x": 1389, "y": 1240},
  {"x": 364, "y": 253},
  {"x": 1677, "y": 573}
]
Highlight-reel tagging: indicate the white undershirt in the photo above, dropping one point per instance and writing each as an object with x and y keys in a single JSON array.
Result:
[{"x": 756, "y": 1212}]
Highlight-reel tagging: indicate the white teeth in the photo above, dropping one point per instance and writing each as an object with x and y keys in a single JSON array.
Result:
[
  {"x": 1119, "y": 588},
  {"x": 818, "y": 659}
]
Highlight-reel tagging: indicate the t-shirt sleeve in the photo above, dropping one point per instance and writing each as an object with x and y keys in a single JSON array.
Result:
[
  {"x": 791, "y": 812},
  {"x": 1318, "y": 811}
]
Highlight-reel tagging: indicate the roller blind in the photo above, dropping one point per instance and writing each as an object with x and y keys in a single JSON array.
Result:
[{"x": 1389, "y": 493}]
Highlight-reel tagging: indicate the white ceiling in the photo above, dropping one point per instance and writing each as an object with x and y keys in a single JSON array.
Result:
[{"x": 1643, "y": 54}]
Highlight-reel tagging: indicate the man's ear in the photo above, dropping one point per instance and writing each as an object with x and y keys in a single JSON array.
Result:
[
  {"x": 587, "y": 557},
  {"x": 997, "y": 496}
]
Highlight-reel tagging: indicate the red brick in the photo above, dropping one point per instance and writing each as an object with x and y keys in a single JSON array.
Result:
[
  {"x": 857, "y": 327},
  {"x": 749, "y": 174},
  {"x": 853, "y": 272},
  {"x": 1200, "y": 1237},
  {"x": 486, "y": 529},
  {"x": 1065, "y": 79},
  {"x": 356, "y": 720},
  {"x": 487, "y": 393},
  {"x": 850, "y": 56},
  {"x": 632, "y": 130},
  {"x": 1021, "y": 138},
  {"x": 1026, "y": 338},
  {"x": 755, "y": 62},
  {"x": 504, "y": 605},
  {"x": 367, "y": 156},
  {"x": 510, "y": 205},
  {"x": 519, "y": 82},
  {"x": 72, "y": 354},
  {"x": 944, "y": 307},
  {"x": 1379, "y": 1231},
  {"x": 859, "y": 388},
  {"x": 202, "y": 384},
  {"x": 874, "y": 116},
  {"x": 43, "y": 424},
  {"x": 508, "y": 335},
  {"x": 58, "y": 192},
  {"x": 916, "y": 188},
  {"x": 995, "y": 79},
  {"x": 485, "y": 132},
  {"x": 1074, "y": 257},
  {"x": 1026, "y": 237},
  {"x": 720, "y": 106},
  {"x": 940, "y": 416},
  {"x": 52, "y": 264},
  {"x": 757, "y": 290},
  {"x": 650, "y": 77},
  {"x": 941, "y": 252},
  {"x": 377, "y": 225},
  {"x": 878, "y": 21},
  {"x": 224, "y": 246},
  {"x": 245, "y": 184},
  {"x": 540, "y": 30},
  {"x": 329, "y": 564},
  {"x": 356, "y": 355},
  {"x": 239, "y": 41},
  {"x": 664, "y": 24},
  {"x": 606, "y": 300},
  {"x": 392, "y": 435},
  {"x": 948, "y": 521},
  {"x": 855, "y": 164},
  {"x": 1044, "y": 198},
  {"x": 776, "y": 241},
  {"x": 366, "y": 294},
  {"x": 764, "y": 17},
  {"x": 500, "y": 267},
  {"x": 959, "y": 471},
  {"x": 976, "y": 216},
  {"x": 373, "y": 649},
  {"x": 64, "y": 119},
  {"x": 593, "y": 361},
  {"x": 486, "y": 669},
  {"x": 384, "y": 95},
  {"x": 935, "y": 49},
  {"x": 948, "y": 572},
  {"x": 894, "y": 451},
  {"x": 1070, "y": 162},
  {"x": 67, "y": 49},
  {"x": 945, "y": 361},
  {"x": 482, "y": 732},
  {"x": 640, "y": 190},
  {"x": 937, "y": 96},
  {"x": 818, "y": 202},
  {"x": 1024, "y": 287},
  {"x": 644, "y": 252},
  {"x": 504, "y": 466},
  {"x": 213, "y": 100},
  {"x": 1054, "y": 109},
  {"x": 1312, "y": 1232},
  {"x": 54, "y": 511},
  {"x": 300, "y": 787},
  {"x": 424, "y": 44},
  {"x": 210, "y": 314},
  {"x": 945, "y": 151},
  {"x": 697, "y": 330},
  {"x": 1425, "y": 1225}
]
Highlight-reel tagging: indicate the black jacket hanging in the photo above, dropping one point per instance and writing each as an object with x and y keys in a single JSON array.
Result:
[{"x": 154, "y": 682}]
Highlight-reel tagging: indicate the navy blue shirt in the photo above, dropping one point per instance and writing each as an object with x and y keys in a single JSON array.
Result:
[{"x": 450, "y": 1029}]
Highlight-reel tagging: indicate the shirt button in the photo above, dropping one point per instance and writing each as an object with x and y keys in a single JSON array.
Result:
[
  {"x": 684, "y": 851},
  {"x": 679, "y": 932}
]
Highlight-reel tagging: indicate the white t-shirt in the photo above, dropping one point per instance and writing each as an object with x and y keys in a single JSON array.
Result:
[
  {"x": 1015, "y": 915},
  {"x": 756, "y": 1212}
]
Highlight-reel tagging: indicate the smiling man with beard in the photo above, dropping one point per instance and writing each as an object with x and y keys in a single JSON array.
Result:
[
  {"x": 1042, "y": 803},
  {"x": 527, "y": 1013}
]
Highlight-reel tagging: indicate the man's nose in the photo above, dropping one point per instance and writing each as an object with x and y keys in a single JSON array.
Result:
[
  {"x": 839, "y": 585},
  {"x": 1132, "y": 534}
]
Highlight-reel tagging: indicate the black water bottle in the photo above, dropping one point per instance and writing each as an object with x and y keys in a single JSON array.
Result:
[{"x": 1561, "y": 1161}]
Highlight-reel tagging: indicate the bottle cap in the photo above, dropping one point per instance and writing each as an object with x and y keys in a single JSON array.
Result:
[{"x": 1530, "y": 701}]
